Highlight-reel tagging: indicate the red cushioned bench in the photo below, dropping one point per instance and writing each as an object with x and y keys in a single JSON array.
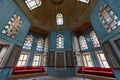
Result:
[
  {"x": 27, "y": 69},
  {"x": 107, "y": 72}
]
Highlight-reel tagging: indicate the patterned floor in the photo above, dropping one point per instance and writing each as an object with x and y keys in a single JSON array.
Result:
[{"x": 55, "y": 78}]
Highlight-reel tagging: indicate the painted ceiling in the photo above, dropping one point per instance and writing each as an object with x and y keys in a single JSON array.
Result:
[{"x": 44, "y": 17}]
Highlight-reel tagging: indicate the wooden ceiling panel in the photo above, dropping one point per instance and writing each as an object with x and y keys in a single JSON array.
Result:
[
  {"x": 38, "y": 30},
  {"x": 44, "y": 17},
  {"x": 82, "y": 27}
]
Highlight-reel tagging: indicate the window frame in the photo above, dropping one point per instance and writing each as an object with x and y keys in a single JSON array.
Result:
[
  {"x": 76, "y": 44},
  {"x": 26, "y": 61},
  {"x": 13, "y": 26},
  {"x": 93, "y": 39},
  {"x": 84, "y": 1},
  {"x": 46, "y": 45},
  {"x": 2, "y": 58},
  {"x": 79, "y": 59},
  {"x": 58, "y": 43},
  {"x": 59, "y": 19},
  {"x": 108, "y": 25},
  {"x": 40, "y": 44},
  {"x": 38, "y": 61},
  {"x": 101, "y": 61},
  {"x": 33, "y": 7},
  {"x": 44, "y": 59},
  {"x": 80, "y": 43},
  {"x": 86, "y": 62},
  {"x": 26, "y": 42}
]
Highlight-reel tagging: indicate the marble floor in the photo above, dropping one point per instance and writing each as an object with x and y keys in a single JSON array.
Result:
[{"x": 54, "y": 78}]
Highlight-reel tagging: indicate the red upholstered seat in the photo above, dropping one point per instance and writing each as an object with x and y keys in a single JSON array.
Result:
[
  {"x": 19, "y": 68},
  {"x": 27, "y": 69},
  {"x": 97, "y": 71},
  {"x": 107, "y": 69}
]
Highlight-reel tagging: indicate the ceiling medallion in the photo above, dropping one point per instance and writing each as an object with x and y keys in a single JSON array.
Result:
[{"x": 57, "y": 1}]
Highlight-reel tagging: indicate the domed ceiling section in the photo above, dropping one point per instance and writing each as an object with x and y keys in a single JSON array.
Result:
[{"x": 44, "y": 17}]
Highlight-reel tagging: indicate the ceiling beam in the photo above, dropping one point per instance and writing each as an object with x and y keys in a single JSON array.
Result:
[
  {"x": 82, "y": 27},
  {"x": 38, "y": 30}
]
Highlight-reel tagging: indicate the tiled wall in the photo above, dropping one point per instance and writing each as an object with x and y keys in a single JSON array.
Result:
[
  {"x": 100, "y": 30},
  {"x": 67, "y": 40},
  {"x": 7, "y": 10},
  {"x": 67, "y": 47},
  {"x": 97, "y": 25}
]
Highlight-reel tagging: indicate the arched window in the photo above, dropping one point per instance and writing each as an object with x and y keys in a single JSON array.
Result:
[
  {"x": 32, "y": 4},
  {"x": 108, "y": 18},
  {"x": 76, "y": 44},
  {"x": 85, "y": 1},
  {"x": 59, "y": 19},
  {"x": 83, "y": 43},
  {"x": 94, "y": 39},
  {"x": 60, "y": 41},
  {"x": 12, "y": 27},
  {"x": 28, "y": 42},
  {"x": 40, "y": 44}
]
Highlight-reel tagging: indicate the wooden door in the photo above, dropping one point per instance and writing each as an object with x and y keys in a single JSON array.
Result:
[
  {"x": 60, "y": 62},
  {"x": 69, "y": 58},
  {"x": 51, "y": 58}
]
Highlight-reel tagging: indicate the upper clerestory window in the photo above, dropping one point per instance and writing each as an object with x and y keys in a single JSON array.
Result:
[
  {"x": 85, "y": 1},
  {"x": 59, "y": 19},
  {"x": 32, "y": 4}
]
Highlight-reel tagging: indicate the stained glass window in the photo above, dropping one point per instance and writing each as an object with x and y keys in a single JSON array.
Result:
[
  {"x": 83, "y": 43},
  {"x": 22, "y": 60},
  {"x": 59, "y": 19},
  {"x": 87, "y": 59},
  {"x": 79, "y": 59},
  {"x": 94, "y": 39},
  {"x": 60, "y": 41},
  {"x": 102, "y": 59},
  {"x": 32, "y": 4},
  {"x": 44, "y": 59},
  {"x": 40, "y": 44},
  {"x": 108, "y": 18},
  {"x": 46, "y": 45},
  {"x": 13, "y": 26},
  {"x": 76, "y": 44},
  {"x": 37, "y": 60},
  {"x": 85, "y": 1},
  {"x": 28, "y": 42}
]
